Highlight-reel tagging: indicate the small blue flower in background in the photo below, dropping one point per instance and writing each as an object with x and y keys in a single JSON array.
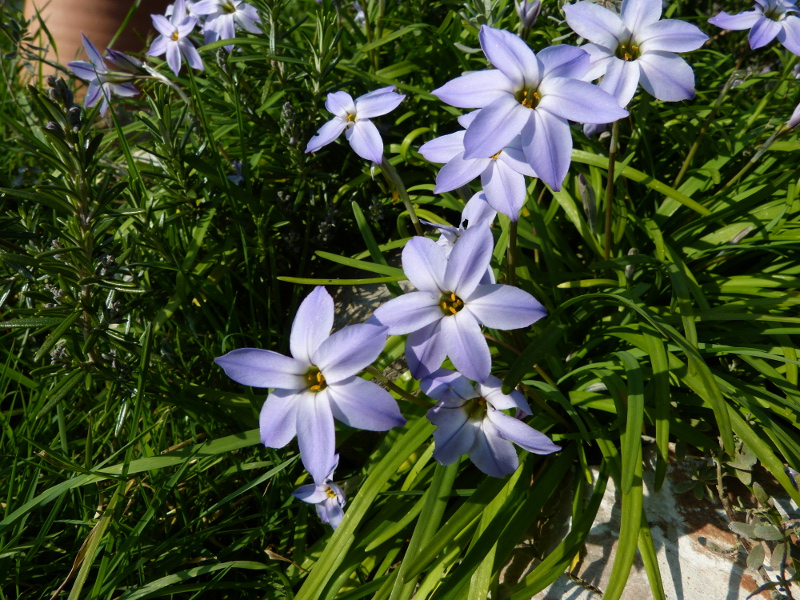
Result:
[
  {"x": 528, "y": 11},
  {"x": 174, "y": 39},
  {"x": 353, "y": 117},
  {"x": 444, "y": 317},
  {"x": 476, "y": 211},
  {"x": 326, "y": 495},
  {"x": 529, "y": 94},
  {"x": 318, "y": 384},
  {"x": 102, "y": 81},
  {"x": 768, "y": 20},
  {"x": 636, "y": 47},
  {"x": 502, "y": 175},
  {"x": 224, "y": 16},
  {"x": 469, "y": 420}
]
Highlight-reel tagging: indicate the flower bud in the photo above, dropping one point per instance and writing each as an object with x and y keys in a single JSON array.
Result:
[{"x": 528, "y": 11}]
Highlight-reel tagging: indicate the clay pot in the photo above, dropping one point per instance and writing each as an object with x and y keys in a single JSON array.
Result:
[{"x": 99, "y": 20}]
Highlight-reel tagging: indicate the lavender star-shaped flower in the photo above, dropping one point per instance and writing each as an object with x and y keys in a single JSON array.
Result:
[
  {"x": 328, "y": 498},
  {"x": 768, "y": 20},
  {"x": 444, "y": 317},
  {"x": 224, "y": 16},
  {"x": 174, "y": 39},
  {"x": 103, "y": 82},
  {"x": 476, "y": 211},
  {"x": 502, "y": 175},
  {"x": 469, "y": 420},
  {"x": 317, "y": 384},
  {"x": 529, "y": 94},
  {"x": 354, "y": 119},
  {"x": 636, "y": 47}
]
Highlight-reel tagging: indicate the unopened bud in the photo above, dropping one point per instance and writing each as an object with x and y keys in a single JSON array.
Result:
[
  {"x": 528, "y": 12},
  {"x": 589, "y": 201}
]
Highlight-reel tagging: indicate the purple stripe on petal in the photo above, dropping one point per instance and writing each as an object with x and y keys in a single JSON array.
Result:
[
  {"x": 743, "y": 20},
  {"x": 174, "y": 57},
  {"x": 466, "y": 346},
  {"x": 459, "y": 171},
  {"x": 447, "y": 385},
  {"x": 671, "y": 35},
  {"x": 191, "y": 55},
  {"x": 349, "y": 350},
  {"x": 312, "y": 324},
  {"x": 278, "y": 419},
  {"x": 492, "y": 392},
  {"x": 366, "y": 141},
  {"x": 409, "y": 312},
  {"x": 375, "y": 105},
  {"x": 579, "y": 101},
  {"x": 311, "y": 493},
  {"x": 475, "y": 90},
  {"x": 442, "y": 149},
  {"x": 495, "y": 127},
  {"x": 524, "y": 436},
  {"x": 326, "y": 134},
  {"x": 340, "y": 104},
  {"x": 263, "y": 368},
  {"x": 454, "y": 434},
  {"x": 789, "y": 34},
  {"x": 426, "y": 350},
  {"x": 548, "y": 145},
  {"x": 512, "y": 56},
  {"x": 468, "y": 261},
  {"x": 505, "y": 189},
  {"x": 158, "y": 47},
  {"x": 504, "y": 307},
  {"x": 621, "y": 80},
  {"x": 596, "y": 23},
  {"x": 491, "y": 453},
  {"x": 424, "y": 262},
  {"x": 163, "y": 25},
  {"x": 565, "y": 61},
  {"x": 316, "y": 434},
  {"x": 666, "y": 76},
  {"x": 364, "y": 405},
  {"x": 763, "y": 32},
  {"x": 638, "y": 14}
]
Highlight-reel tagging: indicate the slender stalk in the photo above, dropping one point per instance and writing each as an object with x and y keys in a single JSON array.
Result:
[
  {"x": 392, "y": 176},
  {"x": 399, "y": 391},
  {"x": 373, "y": 59},
  {"x": 512, "y": 253},
  {"x": 612, "y": 152}
]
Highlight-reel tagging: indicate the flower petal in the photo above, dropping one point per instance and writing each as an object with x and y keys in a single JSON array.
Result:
[
  {"x": 468, "y": 261},
  {"x": 495, "y": 127},
  {"x": 492, "y": 391},
  {"x": 331, "y": 511},
  {"x": 263, "y": 369},
  {"x": 425, "y": 350},
  {"x": 158, "y": 47},
  {"x": 579, "y": 101},
  {"x": 312, "y": 325},
  {"x": 311, "y": 493},
  {"x": 671, "y": 35},
  {"x": 349, "y": 350},
  {"x": 83, "y": 70},
  {"x": 366, "y": 141},
  {"x": 513, "y": 156},
  {"x": 94, "y": 54},
  {"x": 278, "y": 419},
  {"x": 524, "y": 436},
  {"x": 126, "y": 90},
  {"x": 547, "y": 141},
  {"x": 666, "y": 76},
  {"x": 477, "y": 209},
  {"x": 763, "y": 32},
  {"x": 504, "y": 307},
  {"x": 475, "y": 90},
  {"x": 505, "y": 189},
  {"x": 442, "y": 149},
  {"x": 163, "y": 25},
  {"x": 425, "y": 263},
  {"x": 191, "y": 55},
  {"x": 491, "y": 453},
  {"x": 743, "y": 20},
  {"x": 638, "y": 14},
  {"x": 326, "y": 134},
  {"x": 364, "y": 405},
  {"x": 621, "y": 80},
  {"x": 789, "y": 34},
  {"x": 596, "y": 24},
  {"x": 174, "y": 57},
  {"x": 512, "y": 56},
  {"x": 340, "y": 104},
  {"x": 378, "y": 103},
  {"x": 448, "y": 385},
  {"x": 93, "y": 94},
  {"x": 466, "y": 346},
  {"x": 454, "y": 434},
  {"x": 459, "y": 171},
  {"x": 564, "y": 60},
  {"x": 409, "y": 312},
  {"x": 316, "y": 434}
]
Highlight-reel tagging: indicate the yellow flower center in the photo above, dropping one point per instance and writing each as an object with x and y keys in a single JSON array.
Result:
[
  {"x": 228, "y": 7},
  {"x": 175, "y": 36},
  {"x": 477, "y": 409},
  {"x": 315, "y": 379},
  {"x": 528, "y": 98},
  {"x": 451, "y": 304},
  {"x": 331, "y": 493},
  {"x": 628, "y": 51},
  {"x": 351, "y": 118}
]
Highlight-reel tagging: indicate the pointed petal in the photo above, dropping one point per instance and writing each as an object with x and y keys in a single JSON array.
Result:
[
  {"x": 126, "y": 90},
  {"x": 331, "y": 512},
  {"x": 311, "y": 493},
  {"x": 316, "y": 434},
  {"x": 424, "y": 262},
  {"x": 504, "y": 307},
  {"x": 94, "y": 54},
  {"x": 191, "y": 55},
  {"x": 466, "y": 119},
  {"x": 492, "y": 391},
  {"x": 621, "y": 80},
  {"x": 638, "y": 14},
  {"x": 524, "y": 436},
  {"x": 364, "y": 405},
  {"x": 466, "y": 346},
  {"x": 158, "y": 47},
  {"x": 666, "y": 76},
  {"x": 763, "y": 32},
  {"x": 548, "y": 145},
  {"x": 468, "y": 261},
  {"x": 743, "y": 20},
  {"x": 454, "y": 434},
  {"x": 447, "y": 385},
  {"x": 425, "y": 350},
  {"x": 163, "y": 25},
  {"x": 794, "y": 120},
  {"x": 247, "y": 17},
  {"x": 600, "y": 59},
  {"x": 374, "y": 105},
  {"x": 93, "y": 94},
  {"x": 366, "y": 141},
  {"x": 459, "y": 171},
  {"x": 83, "y": 70},
  {"x": 326, "y": 134},
  {"x": 478, "y": 209},
  {"x": 513, "y": 156},
  {"x": 512, "y": 56},
  {"x": 443, "y": 148},
  {"x": 564, "y": 60},
  {"x": 475, "y": 90},
  {"x": 263, "y": 369},
  {"x": 491, "y": 453},
  {"x": 505, "y": 189},
  {"x": 409, "y": 312},
  {"x": 174, "y": 57},
  {"x": 340, "y": 104},
  {"x": 495, "y": 127},
  {"x": 789, "y": 35},
  {"x": 312, "y": 325},
  {"x": 596, "y": 24},
  {"x": 349, "y": 350},
  {"x": 671, "y": 35},
  {"x": 278, "y": 419},
  {"x": 579, "y": 101},
  {"x": 186, "y": 27}
]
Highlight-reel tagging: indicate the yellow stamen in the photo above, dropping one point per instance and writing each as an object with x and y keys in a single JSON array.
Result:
[
  {"x": 451, "y": 304},
  {"x": 175, "y": 36}
]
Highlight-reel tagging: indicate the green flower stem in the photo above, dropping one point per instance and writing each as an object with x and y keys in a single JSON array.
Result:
[
  {"x": 755, "y": 158},
  {"x": 373, "y": 58},
  {"x": 399, "y": 391},
  {"x": 612, "y": 151},
  {"x": 392, "y": 176},
  {"x": 512, "y": 253}
]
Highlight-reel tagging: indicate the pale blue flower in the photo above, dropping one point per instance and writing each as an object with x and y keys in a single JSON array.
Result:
[
  {"x": 476, "y": 211},
  {"x": 444, "y": 317},
  {"x": 636, "y": 47},
  {"x": 353, "y": 117},
  {"x": 223, "y": 17},
  {"x": 470, "y": 420},
  {"x": 328, "y": 498},
  {"x": 103, "y": 82},
  {"x": 174, "y": 40},
  {"x": 528, "y": 11},
  {"x": 502, "y": 175},
  {"x": 317, "y": 384},
  {"x": 529, "y": 94},
  {"x": 768, "y": 20}
]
